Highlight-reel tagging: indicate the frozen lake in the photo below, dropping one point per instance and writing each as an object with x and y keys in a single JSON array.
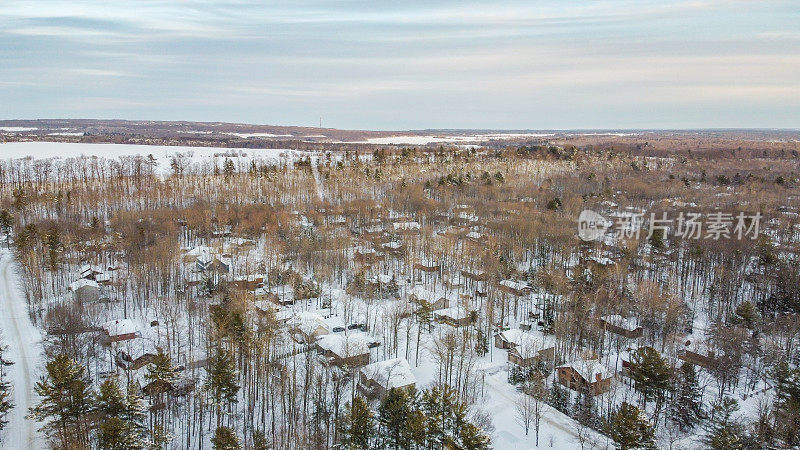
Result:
[{"x": 162, "y": 153}]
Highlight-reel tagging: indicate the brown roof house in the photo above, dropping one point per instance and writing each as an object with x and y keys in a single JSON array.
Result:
[
  {"x": 526, "y": 349},
  {"x": 120, "y": 330},
  {"x": 307, "y": 326},
  {"x": 378, "y": 378},
  {"x": 518, "y": 288},
  {"x": 437, "y": 301},
  {"x": 406, "y": 227},
  {"x": 622, "y": 326},
  {"x": 455, "y": 316},
  {"x": 585, "y": 374},
  {"x": 350, "y": 350},
  {"x": 368, "y": 256}
]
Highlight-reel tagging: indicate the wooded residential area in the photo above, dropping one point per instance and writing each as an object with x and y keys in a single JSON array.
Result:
[{"x": 411, "y": 297}]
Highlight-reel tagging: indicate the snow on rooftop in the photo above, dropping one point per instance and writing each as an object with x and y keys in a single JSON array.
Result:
[
  {"x": 308, "y": 322},
  {"x": 588, "y": 369},
  {"x": 627, "y": 323},
  {"x": 517, "y": 285},
  {"x": 474, "y": 235},
  {"x": 392, "y": 373},
  {"x": 83, "y": 282},
  {"x": 345, "y": 346},
  {"x": 527, "y": 344},
  {"x": 406, "y": 226},
  {"x": 120, "y": 327},
  {"x": 454, "y": 312}
]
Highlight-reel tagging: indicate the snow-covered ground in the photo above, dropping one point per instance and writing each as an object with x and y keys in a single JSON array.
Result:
[
  {"x": 162, "y": 153},
  {"x": 424, "y": 140},
  {"x": 16, "y": 129},
  {"x": 24, "y": 342}
]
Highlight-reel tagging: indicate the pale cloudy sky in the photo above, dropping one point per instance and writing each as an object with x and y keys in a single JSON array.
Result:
[{"x": 399, "y": 65}]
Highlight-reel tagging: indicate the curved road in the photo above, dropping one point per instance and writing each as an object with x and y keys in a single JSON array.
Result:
[{"x": 24, "y": 342}]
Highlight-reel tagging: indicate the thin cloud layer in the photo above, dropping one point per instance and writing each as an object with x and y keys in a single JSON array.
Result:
[{"x": 383, "y": 65}]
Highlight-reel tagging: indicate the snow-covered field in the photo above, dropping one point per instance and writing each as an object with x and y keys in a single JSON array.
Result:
[
  {"x": 424, "y": 140},
  {"x": 162, "y": 153}
]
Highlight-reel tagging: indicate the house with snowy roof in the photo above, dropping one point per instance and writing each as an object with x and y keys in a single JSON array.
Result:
[
  {"x": 406, "y": 227},
  {"x": 85, "y": 290},
  {"x": 135, "y": 354},
  {"x": 455, "y": 316},
  {"x": 120, "y": 330},
  {"x": 376, "y": 379},
  {"x": 513, "y": 287},
  {"x": 90, "y": 272},
  {"x": 350, "y": 350},
  {"x": 437, "y": 301},
  {"x": 526, "y": 349},
  {"x": 368, "y": 255},
  {"x": 394, "y": 248},
  {"x": 622, "y": 326},
  {"x": 585, "y": 374},
  {"x": 426, "y": 265},
  {"x": 307, "y": 326}
]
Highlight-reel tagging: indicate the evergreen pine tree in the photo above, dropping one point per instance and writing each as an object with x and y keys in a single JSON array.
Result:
[
  {"x": 392, "y": 415},
  {"x": 584, "y": 408},
  {"x": 221, "y": 380},
  {"x": 65, "y": 401},
  {"x": 559, "y": 398},
  {"x": 228, "y": 169},
  {"x": 651, "y": 374},
  {"x": 120, "y": 416},
  {"x": 686, "y": 409},
  {"x": 260, "y": 441},
  {"x": 724, "y": 431},
  {"x": 6, "y": 222},
  {"x": 225, "y": 439},
  {"x": 746, "y": 315},
  {"x": 160, "y": 368},
  {"x": 473, "y": 438},
  {"x": 629, "y": 428},
  {"x": 787, "y": 402},
  {"x": 357, "y": 427}
]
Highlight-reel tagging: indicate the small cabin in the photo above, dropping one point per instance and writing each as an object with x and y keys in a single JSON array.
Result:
[
  {"x": 525, "y": 349},
  {"x": 394, "y": 248},
  {"x": 120, "y": 330},
  {"x": 588, "y": 374},
  {"x": 406, "y": 227},
  {"x": 437, "y": 301},
  {"x": 621, "y": 326},
  {"x": 368, "y": 256},
  {"x": 426, "y": 265},
  {"x": 85, "y": 290},
  {"x": 475, "y": 275},
  {"x": 90, "y": 272},
  {"x": 351, "y": 350},
  {"x": 455, "y": 317},
  {"x": 306, "y": 327},
  {"x": 518, "y": 288},
  {"x": 376, "y": 379}
]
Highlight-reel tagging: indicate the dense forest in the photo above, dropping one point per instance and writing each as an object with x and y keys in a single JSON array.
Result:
[{"x": 436, "y": 298}]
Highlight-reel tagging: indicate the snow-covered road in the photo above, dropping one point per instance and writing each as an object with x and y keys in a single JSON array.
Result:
[{"x": 24, "y": 342}]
